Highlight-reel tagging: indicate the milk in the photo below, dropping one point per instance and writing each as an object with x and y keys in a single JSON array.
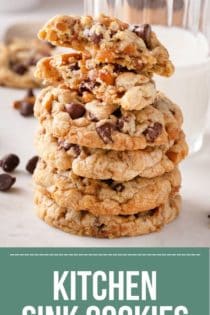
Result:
[{"x": 189, "y": 86}]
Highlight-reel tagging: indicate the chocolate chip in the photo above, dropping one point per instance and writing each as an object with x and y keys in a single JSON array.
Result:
[
  {"x": 31, "y": 165},
  {"x": 26, "y": 108},
  {"x": 96, "y": 38},
  {"x": 151, "y": 133},
  {"x": 105, "y": 132},
  {"x": 19, "y": 68},
  {"x": 115, "y": 186},
  {"x": 6, "y": 182},
  {"x": 87, "y": 86},
  {"x": 208, "y": 215},
  {"x": 118, "y": 187},
  {"x": 76, "y": 149},
  {"x": 117, "y": 113},
  {"x": 108, "y": 181},
  {"x": 92, "y": 117},
  {"x": 30, "y": 93},
  {"x": 143, "y": 31},
  {"x": 119, "y": 68},
  {"x": 73, "y": 67},
  {"x": 120, "y": 124},
  {"x": 75, "y": 110},
  {"x": 62, "y": 144},
  {"x": 67, "y": 146},
  {"x": 9, "y": 162}
]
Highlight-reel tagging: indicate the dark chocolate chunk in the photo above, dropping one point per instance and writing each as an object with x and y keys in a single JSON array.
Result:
[
  {"x": 92, "y": 117},
  {"x": 19, "y": 68},
  {"x": 120, "y": 124},
  {"x": 108, "y": 181},
  {"x": 87, "y": 86},
  {"x": 118, "y": 187},
  {"x": 9, "y": 162},
  {"x": 115, "y": 186},
  {"x": 30, "y": 93},
  {"x": 74, "y": 66},
  {"x": 105, "y": 132},
  {"x": 119, "y": 68},
  {"x": 75, "y": 110},
  {"x": 31, "y": 164},
  {"x": 152, "y": 132},
  {"x": 6, "y": 182},
  {"x": 67, "y": 146},
  {"x": 26, "y": 108},
  {"x": 117, "y": 113},
  {"x": 96, "y": 38},
  {"x": 143, "y": 31}
]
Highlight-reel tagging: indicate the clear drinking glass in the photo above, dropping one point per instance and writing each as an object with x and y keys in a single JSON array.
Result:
[{"x": 182, "y": 26}]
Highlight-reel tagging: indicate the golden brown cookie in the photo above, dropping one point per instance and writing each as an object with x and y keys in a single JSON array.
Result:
[
  {"x": 108, "y": 40},
  {"x": 105, "y": 197},
  {"x": 85, "y": 223},
  {"x": 109, "y": 164},
  {"x": 17, "y": 62},
  {"x": 107, "y": 83},
  {"x": 63, "y": 114}
]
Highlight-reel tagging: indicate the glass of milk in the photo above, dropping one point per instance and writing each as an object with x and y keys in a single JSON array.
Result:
[{"x": 183, "y": 26}]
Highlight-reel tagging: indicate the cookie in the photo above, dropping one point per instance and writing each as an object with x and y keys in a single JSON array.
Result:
[
  {"x": 17, "y": 62},
  {"x": 85, "y": 223},
  {"x": 107, "y": 83},
  {"x": 108, "y": 40},
  {"x": 97, "y": 125},
  {"x": 106, "y": 197},
  {"x": 109, "y": 164}
]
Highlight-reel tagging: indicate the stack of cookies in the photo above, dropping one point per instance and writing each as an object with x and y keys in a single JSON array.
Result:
[{"x": 109, "y": 142}]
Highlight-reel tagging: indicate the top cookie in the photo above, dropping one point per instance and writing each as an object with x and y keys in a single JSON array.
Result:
[
  {"x": 108, "y": 40},
  {"x": 18, "y": 59}
]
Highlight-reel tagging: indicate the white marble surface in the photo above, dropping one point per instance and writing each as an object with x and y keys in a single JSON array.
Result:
[{"x": 19, "y": 225}]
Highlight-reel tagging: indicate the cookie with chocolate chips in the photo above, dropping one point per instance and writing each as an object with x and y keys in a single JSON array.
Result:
[
  {"x": 107, "y": 39},
  {"x": 105, "y": 197},
  {"x": 105, "y": 226},
  {"x": 18, "y": 59},
  {"x": 109, "y": 164},
  {"x": 113, "y": 127}
]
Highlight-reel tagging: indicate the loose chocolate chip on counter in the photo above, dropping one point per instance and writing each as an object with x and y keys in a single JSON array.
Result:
[
  {"x": 75, "y": 110},
  {"x": 31, "y": 164},
  {"x": 19, "y": 68},
  {"x": 30, "y": 93},
  {"x": 6, "y": 182},
  {"x": 151, "y": 133},
  {"x": 209, "y": 216},
  {"x": 26, "y": 105},
  {"x": 143, "y": 31},
  {"x": 26, "y": 109},
  {"x": 9, "y": 162},
  {"x": 105, "y": 132},
  {"x": 96, "y": 38}
]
